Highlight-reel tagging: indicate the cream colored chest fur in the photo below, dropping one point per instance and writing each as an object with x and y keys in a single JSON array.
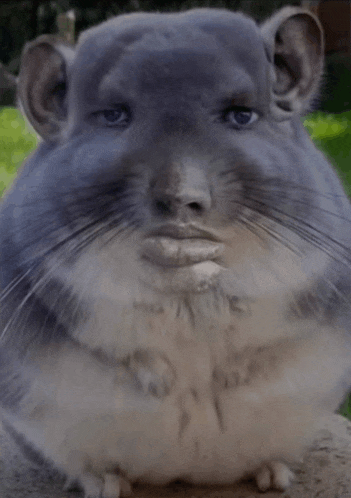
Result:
[
  {"x": 236, "y": 399},
  {"x": 240, "y": 385}
]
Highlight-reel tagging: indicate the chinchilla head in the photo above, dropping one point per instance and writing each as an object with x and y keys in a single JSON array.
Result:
[{"x": 173, "y": 162}]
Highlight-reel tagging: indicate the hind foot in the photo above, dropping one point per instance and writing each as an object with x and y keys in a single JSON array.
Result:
[
  {"x": 109, "y": 486},
  {"x": 273, "y": 475}
]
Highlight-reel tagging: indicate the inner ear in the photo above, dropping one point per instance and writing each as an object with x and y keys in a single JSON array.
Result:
[
  {"x": 295, "y": 41},
  {"x": 298, "y": 53},
  {"x": 43, "y": 84}
]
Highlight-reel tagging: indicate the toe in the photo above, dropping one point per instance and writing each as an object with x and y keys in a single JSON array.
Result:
[
  {"x": 263, "y": 478},
  {"x": 93, "y": 486},
  {"x": 282, "y": 475},
  {"x": 273, "y": 475},
  {"x": 115, "y": 486}
]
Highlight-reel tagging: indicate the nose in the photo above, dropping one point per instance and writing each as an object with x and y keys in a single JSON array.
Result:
[{"x": 181, "y": 191}]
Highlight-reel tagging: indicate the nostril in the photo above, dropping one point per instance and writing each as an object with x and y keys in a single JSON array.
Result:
[{"x": 195, "y": 206}]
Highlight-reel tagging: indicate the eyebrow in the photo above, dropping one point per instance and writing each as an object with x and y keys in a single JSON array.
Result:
[
  {"x": 243, "y": 98},
  {"x": 112, "y": 92}
]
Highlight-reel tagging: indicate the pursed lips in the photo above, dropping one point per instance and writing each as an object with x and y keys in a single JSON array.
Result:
[{"x": 180, "y": 245}]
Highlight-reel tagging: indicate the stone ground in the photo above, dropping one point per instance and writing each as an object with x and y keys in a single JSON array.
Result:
[{"x": 325, "y": 473}]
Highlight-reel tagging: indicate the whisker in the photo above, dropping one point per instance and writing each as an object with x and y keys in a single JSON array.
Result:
[
  {"x": 317, "y": 240},
  {"x": 262, "y": 185},
  {"x": 13, "y": 284},
  {"x": 69, "y": 246},
  {"x": 310, "y": 206},
  {"x": 275, "y": 235},
  {"x": 39, "y": 285}
]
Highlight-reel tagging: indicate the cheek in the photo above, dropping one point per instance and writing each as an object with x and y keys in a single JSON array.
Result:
[
  {"x": 92, "y": 155},
  {"x": 256, "y": 267},
  {"x": 241, "y": 246},
  {"x": 103, "y": 263}
]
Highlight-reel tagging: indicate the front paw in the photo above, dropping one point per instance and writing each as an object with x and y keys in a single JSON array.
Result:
[
  {"x": 245, "y": 367},
  {"x": 273, "y": 475},
  {"x": 153, "y": 372}
]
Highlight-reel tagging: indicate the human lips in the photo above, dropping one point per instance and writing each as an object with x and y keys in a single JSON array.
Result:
[{"x": 178, "y": 246}]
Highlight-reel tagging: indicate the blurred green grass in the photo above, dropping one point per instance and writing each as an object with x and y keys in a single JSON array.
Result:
[
  {"x": 330, "y": 132},
  {"x": 17, "y": 140}
]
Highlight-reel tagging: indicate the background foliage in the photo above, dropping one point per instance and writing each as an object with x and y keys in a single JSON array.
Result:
[
  {"x": 21, "y": 21},
  {"x": 24, "y": 20}
]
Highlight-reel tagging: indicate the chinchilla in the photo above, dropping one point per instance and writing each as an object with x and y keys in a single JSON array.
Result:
[{"x": 175, "y": 255}]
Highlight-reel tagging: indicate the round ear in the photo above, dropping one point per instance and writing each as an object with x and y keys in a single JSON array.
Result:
[
  {"x": 295, "y": 43},
  {"x": 43, "y": 84}
]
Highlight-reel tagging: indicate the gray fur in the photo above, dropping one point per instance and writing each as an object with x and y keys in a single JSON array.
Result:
[{"x": 175, "y": 284}]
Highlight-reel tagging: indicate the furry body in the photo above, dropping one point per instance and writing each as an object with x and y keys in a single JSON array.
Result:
[{"x": 175, "y": 257}]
